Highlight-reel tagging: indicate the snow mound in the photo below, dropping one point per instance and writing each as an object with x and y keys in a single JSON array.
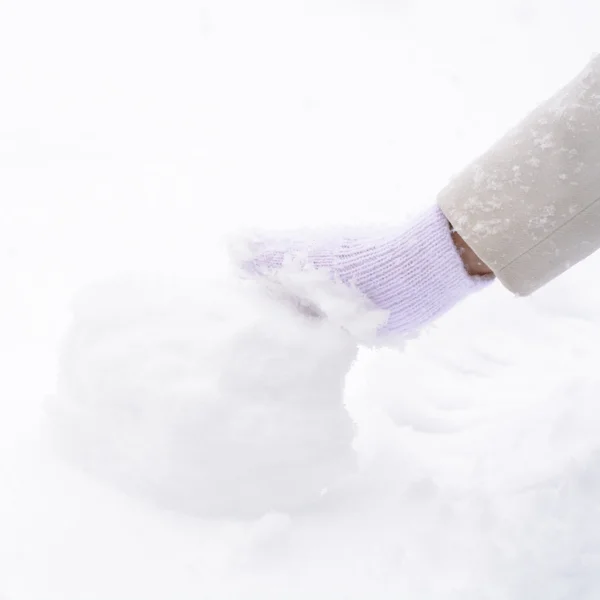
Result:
[{"x": 214, "y": 399}]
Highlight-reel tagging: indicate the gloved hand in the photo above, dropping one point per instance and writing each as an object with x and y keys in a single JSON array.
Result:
[{"x": 377, "y": 282}]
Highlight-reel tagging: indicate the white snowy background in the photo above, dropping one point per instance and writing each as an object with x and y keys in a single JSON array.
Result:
[{"x": 133, "y": 137}]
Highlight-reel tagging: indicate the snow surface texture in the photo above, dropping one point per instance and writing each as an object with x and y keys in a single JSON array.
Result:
[
  {"x": 131, "y": 135},
  {"x": 218, "y": 400}
]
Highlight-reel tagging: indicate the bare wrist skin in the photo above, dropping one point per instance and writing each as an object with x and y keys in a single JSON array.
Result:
[{"x": 473, "y": 264}]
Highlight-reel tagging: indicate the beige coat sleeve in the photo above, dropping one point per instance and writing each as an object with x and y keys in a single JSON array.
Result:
[{"x": 530, "y": 206}]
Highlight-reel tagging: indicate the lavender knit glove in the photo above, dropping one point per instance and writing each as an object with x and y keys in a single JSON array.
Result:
[{"x": 376, "y": 283}]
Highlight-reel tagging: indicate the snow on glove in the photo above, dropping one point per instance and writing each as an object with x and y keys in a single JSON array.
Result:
[
  {"x": 530, "y": 207},
  {"x": 376, "y": 282}
]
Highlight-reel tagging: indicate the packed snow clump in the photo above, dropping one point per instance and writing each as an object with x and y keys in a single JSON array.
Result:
[{"x": 214, "y": 399}]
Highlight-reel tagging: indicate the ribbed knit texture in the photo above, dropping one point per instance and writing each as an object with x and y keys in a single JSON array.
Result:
[{"x": 413, "y": 272}]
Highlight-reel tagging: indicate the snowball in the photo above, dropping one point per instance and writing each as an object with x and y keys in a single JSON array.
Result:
[{"x": 214, "y": 399}]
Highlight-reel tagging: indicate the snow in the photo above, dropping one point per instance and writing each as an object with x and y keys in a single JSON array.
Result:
[
  {"x": 134, "y": 137},
  {"x": 217, "y": 400}
]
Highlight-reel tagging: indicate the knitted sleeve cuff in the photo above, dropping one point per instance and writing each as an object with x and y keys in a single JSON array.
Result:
[{"x": 415, "y": 272}]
